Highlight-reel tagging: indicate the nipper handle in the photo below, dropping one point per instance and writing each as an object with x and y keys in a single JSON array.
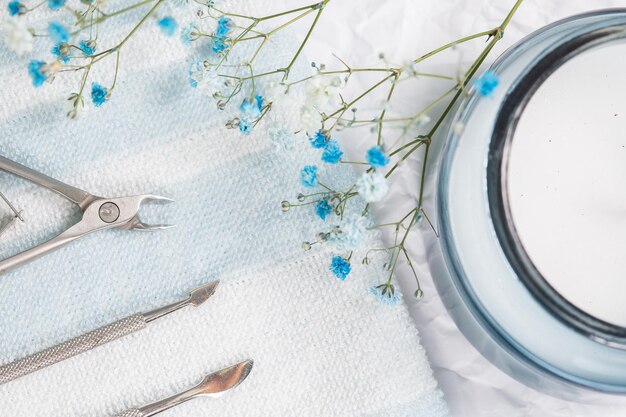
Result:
[
  {"x": 75, "y": 195},
  {"x": 130, "y": 413}
]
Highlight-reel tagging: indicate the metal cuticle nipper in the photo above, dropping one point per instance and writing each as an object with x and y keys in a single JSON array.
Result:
[{"x": 98, "y": 213}]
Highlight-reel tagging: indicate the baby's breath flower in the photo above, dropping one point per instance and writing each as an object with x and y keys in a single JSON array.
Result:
[
  {"x": 220, "y": 43},
  {"x": 168, "y": 25},
  {"x": 322, "y": 91},
  {"x": 323, "y": 209},
  {"x": 58, "y": 33},
  {"x": 487, "y": 83},
  {"x": 88, "y": 48},
  {"x": 386, "y": 294},
  {"x": 224, "y": 24},
  {"x": 62, "y": 51},
  {"x": 311, "y": 119},
  {"x": 99, "y": 94},
  {"x": 340, "y": 267},
  {"x": 252, "y": 107},
  {"x": 372, "y": 186},
  {"x": 189, "y": 33},
  {"x": 245, "y": 126},
  {"x": 332, "y": 152},
  {"x": 376, "y": 157},
  {"x": 275, "y": 91},
  {"x": 318, "y": 140},
  {"x": 308, "y": 176},
  {"x": 38, "y": 72},
  {"x": 351, "y": 233},
  {"x": 205, "y": 78},
  {"x": 56, "y": 4},
  {"x": 17, "y": 36},
  {"x": 282, "y": 138},
  {"x": 16, "y": 8}
]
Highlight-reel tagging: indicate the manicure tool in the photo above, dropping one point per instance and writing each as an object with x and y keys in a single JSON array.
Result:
[
  {"x": 17, "y": 215},
  {"x": 98, "y": 213},
  {"x": 213, "y": 385},
  {"x": 99, "y": 336}
]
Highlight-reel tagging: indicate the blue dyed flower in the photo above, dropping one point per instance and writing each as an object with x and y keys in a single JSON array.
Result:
[
  {"x": 218, "y": 45},
  {"x": 332, "y": 152},
  {"x": 245, "y": 126},
  {"x": 16, "y": 8},
  {"x": 56, "y": 4},
  {"x": 189, "y": 33},
  {"x": 99, "y": 94},
  {"x": 168, "y": 25},
  {"x": 340, "y": 267},
  {"x": 61, "y": 50},
  {"x": 223, "y": 27},
  {"x": 323, "y": 209},
  {"x": 252, "y": 107},
  {"x": 487, "y": 83},
  {"x": 376, "y": 157},
  {"x": 58, "y": 32},
  {"x": 308, "y": 176},
  {"x": 87, "y": 47},
  {"x": 318, "y": 140},
  {"x": 36, "y": 70},
  {"x": 385, "y": 294}
]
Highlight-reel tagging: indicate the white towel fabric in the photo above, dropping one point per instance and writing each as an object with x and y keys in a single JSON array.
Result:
[{"x": 321, "y": 347}]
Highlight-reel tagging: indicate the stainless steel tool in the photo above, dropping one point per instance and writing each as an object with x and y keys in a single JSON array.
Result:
[
  {"x": 17, "y": 215},
  {"x": 213, "y": 385},
  {"x": 99, "y": 213},
  {"x": 99, "y": 336}
]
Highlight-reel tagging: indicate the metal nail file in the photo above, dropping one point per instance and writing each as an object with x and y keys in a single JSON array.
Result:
[
  {"x": 99, "y": 337},
  {"x": 213, "y": 385}
]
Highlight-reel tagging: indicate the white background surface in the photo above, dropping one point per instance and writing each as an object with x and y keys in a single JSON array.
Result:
[{"x": 357, "y": 31}]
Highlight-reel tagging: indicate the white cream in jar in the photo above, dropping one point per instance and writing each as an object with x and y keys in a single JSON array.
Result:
[{"x": 567, "y": 181}]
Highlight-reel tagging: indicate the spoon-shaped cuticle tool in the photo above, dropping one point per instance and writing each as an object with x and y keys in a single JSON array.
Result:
[{"x": 213, "y": 385}]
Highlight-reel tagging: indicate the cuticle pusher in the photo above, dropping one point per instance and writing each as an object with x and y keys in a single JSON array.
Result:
[
  {"x": 98, "y": 337},
  {"x": 213, "y": 385}
]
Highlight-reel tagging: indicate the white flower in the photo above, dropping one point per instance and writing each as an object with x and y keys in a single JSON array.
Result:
[
  {"x": 17, "y": 36},
  {"x": 372, "y": 186},
  {"x": 275, "y": 91},
  {"x": 322, "y": 92},
  {"x": 282, "y": 138},
  {"x": 311, "y": 119},
  {"x": 205, "y": 79},
  {"x": 351, "y": 233}
]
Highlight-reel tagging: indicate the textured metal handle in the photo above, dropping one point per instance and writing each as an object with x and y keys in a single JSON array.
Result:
[
  {"x": 71, "y": 348},
  {"x": 130, "y": 413}
]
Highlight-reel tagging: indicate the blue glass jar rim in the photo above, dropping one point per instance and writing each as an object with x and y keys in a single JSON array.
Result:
[
  {"x": 451, "y": 256},
  {"x": 509, "y": 114}
]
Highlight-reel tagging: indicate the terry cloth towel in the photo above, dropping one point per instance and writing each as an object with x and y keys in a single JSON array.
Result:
[{"x": 321, "y": 347}]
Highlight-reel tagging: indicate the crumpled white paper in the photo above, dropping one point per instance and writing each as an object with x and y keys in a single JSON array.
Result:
[{"x": 357, "y": 31}]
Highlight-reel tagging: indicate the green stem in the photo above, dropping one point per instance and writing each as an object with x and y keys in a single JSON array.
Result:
[
  {"x": 116, "y": 13},
  {"x": 306, "y": 39}
]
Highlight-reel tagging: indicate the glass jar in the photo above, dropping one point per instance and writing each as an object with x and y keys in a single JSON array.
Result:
[{"x": 498, "y": 295}]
